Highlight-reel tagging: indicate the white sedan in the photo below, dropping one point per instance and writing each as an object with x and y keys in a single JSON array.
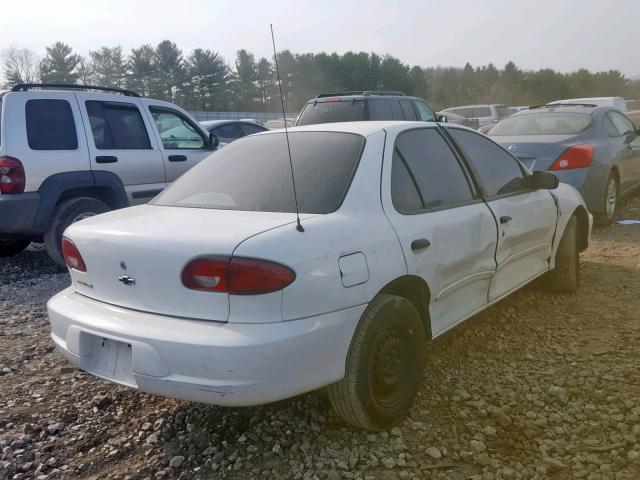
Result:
[{"x": 211, "y": 293}]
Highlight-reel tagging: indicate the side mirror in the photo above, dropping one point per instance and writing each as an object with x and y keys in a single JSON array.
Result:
[
  {"x": 543, "y": 180},
  {"x": 213, "y": 141},
  {"x": 443, "y": 119}
]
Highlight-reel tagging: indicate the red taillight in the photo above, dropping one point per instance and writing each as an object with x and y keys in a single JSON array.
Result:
[
  {"x": 578, "y": 156},
  {"x": 72, "y": 256},
  {"x": 332, "y": 99},
  {"x": 239, "y": 276},
  {"x": 12, "y": 178}
]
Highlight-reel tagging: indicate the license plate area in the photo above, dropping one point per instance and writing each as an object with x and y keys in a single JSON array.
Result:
[{"x": 113, "y": 360}]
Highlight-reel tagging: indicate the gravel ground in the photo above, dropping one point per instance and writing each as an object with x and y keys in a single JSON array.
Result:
[{"x": 539, "y": 386}]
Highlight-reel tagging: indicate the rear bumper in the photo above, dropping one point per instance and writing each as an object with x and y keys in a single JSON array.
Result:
[
  {"x": 218, "y": 363},
  {"x": 18, "y": 213}
]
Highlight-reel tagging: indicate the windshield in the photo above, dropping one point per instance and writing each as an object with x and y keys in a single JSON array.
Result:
[
  {"x": 328, "y": 112},
  {"x": 542, "y": 124},
  {"x": 253, "y": 174},
  {"x": 503, "y": 111}
]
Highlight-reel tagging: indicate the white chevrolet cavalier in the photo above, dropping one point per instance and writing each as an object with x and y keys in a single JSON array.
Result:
[{"x": 210, "y": 293}]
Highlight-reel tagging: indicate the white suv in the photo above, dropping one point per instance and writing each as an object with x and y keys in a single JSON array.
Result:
[{"x": 68, "y": 152}]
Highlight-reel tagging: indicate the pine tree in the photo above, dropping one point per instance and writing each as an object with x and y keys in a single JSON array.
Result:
[{"x": 60, "y": 64}]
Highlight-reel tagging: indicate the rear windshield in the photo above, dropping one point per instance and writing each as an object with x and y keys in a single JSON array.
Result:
[
  {"x": 328, "y": 112},
  {"x": 542, "y": 124},
  {"x": 253, "y": 174}
]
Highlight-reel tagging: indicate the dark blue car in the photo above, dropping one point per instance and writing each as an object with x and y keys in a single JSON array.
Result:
[{"x": 595, "y": 149}]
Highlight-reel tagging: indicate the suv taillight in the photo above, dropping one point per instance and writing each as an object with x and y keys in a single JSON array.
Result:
[
  {"x": 237, "y": 275},
  {"x": 72, "y": 256},
  {"x": 578, "y": 156},
  {"x": 12, "y": 178}
]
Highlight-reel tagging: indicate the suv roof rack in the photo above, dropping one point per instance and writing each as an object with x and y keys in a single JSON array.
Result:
[
  {"x": 553, "y": 105},
  {"x": 360, "y": 92},
  {"x": 23, "y": 87}
]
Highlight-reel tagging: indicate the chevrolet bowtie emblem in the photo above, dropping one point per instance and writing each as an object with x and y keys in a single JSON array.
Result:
[{"x": 127, "y": 280}]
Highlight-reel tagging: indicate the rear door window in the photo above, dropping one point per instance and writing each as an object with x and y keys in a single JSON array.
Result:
[
  {"x": 497, "y": 171},
  {"x": 255, "y": 174},
  {"x": 380, "y": 110},
  {"x": 117, "y": 126},
  {"x": 249, "y": 129},
  {"x": 479, "y": 112},
  {"x": 407, "y": 110},
  {"x": 332, "y": 111},
  {"x": 425, "y": 173},
  {"x": 228, "y": 130},
  {"x": 50, "y": 125}
]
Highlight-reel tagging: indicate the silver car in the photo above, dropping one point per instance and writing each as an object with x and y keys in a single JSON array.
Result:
[{"x": 484, "y": 114}]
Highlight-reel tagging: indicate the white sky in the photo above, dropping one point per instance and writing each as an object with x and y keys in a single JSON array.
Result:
[{"x": 563, "y": 34}]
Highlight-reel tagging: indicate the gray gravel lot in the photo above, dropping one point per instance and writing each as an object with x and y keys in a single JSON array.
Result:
[{"x": 540, "y": 386}]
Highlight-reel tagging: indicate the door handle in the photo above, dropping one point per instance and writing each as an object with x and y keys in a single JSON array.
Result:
[
  {"x": 420, "y": 244},
  {"x": 106, "y": 159},
  {"x": 505, "y": 219},
  {"x": 177, "y": 158}
]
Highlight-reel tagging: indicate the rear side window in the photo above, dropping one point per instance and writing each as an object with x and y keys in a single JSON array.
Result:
[
  {"x": 380, "y": 110},
  {"x": 332, "y": 111},
  {"x": 50, "y": 125},
  {"x": 117, "y": 126},
  {"x": 407, "y": 110},
  {"x": 481, "y": 112},
  {"x": 621, "y": 126},
  {"x": 498, "y": 172},
  {"x": 228, "y": 130},
  {"x": 254, "y": 174},
  {"x": 248, "y": 129},
  {"x": 425, "y": 174}
]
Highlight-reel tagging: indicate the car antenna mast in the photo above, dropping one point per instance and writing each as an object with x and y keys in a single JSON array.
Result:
[{"x": 286, "y": 133}]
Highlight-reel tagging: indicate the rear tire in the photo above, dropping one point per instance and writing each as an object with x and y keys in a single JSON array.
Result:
[
  {"x": 609, "y": 201},
  {"x": 67, "y": 212},
  {"x": 565, "y": 277},
  {"x": 13, "y": 246},
  {"x": 384, "y": 365}
]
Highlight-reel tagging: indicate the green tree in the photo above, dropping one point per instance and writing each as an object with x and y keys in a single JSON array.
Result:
[
  {"x": 246, "y": 77},
  {"x": 169, "y": 72},
  {"x": 141, "y": 69},
  {"x": 207, "y": 74},
  {"x": 108, "y": 66},
  {"x": 265, "y": 83},
  {"x": 59, "y": 64}
]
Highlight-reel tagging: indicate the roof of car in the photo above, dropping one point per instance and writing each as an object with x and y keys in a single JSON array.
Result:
[
  {"x": 560, "y": 107},
  {"x": 364, "y": 128}
]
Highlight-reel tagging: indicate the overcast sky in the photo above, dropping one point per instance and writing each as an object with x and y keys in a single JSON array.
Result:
[{"x": 561, "y": 34}]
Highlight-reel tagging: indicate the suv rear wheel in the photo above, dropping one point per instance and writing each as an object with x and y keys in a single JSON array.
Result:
[
  {"x": 67, "y": 212},
  {"x": 12, "y": 246}
]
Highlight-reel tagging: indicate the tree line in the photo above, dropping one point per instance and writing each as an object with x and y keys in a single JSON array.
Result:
[{"x": 204, "y": 80}]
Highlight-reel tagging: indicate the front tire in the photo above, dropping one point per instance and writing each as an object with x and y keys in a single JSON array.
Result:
[
  {"x": 384, "y": 365},
  {"x": 13, "y": 246},
  {"x": 609, "y": 202},
  {"x": 67, "y": 212},
  {"x": 565, "y": 277}
]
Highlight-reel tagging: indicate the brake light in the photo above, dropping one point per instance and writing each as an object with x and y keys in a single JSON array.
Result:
[
  {"x": 236, "y": 275},
  {"x": 72, "y": 257},
  {"x": 578, "y": 156},
  {"x": 12, "y": 178},
  {"x": 332, "y": 100}
]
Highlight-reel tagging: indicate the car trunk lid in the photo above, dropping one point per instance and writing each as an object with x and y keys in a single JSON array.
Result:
[
  {"x": 135, "y": 256},
  {"x": 536, "y": 152}
]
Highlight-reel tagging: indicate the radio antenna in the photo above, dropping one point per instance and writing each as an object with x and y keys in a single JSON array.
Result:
[{"x": 286, "y": 132}]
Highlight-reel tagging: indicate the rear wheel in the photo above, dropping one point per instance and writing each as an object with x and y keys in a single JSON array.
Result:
[
  {"x": 12, "y": 246},
  {"x": 66, "y": 213},
  {"x": 609, "y": 202},
  {"x": 565, "y": 277},
  {"x": 384, "y": 365}
]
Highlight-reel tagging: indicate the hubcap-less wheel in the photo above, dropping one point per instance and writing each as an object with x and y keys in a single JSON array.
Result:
[
  {"x": 390, "y": 363},
  {"x": 611, "y": 197}
]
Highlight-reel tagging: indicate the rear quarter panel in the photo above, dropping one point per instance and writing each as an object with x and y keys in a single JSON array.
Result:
[{"x": 359, "y": 225}]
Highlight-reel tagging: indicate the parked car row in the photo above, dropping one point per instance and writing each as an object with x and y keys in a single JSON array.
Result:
[{"x": 289, "y": 272}]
